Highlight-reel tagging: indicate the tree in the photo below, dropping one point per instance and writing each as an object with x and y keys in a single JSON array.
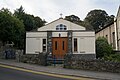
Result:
[
  {"x": 87, "y": 25},
  {"x": 30, "y": 22},
  {"x": 74, "y": 19},
  {"x": 103, "y": 48},
  {"x": 19, "y": 13},
  {"x": 39, "y": 22},
  {"x": 11, "y": 28},
  {"x": 98, "y": 18},
  {"x": 26, "y": 18}
]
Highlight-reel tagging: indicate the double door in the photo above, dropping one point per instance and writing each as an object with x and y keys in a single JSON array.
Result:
[{"x": 59, "y": 46}]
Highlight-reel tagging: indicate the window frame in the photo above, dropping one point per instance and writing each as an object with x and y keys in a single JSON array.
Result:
[
  {"x": 44, "y": 42},
  {"x": 61, "y": 27},
  {"x": 113, "y": 37},
  {"x": 75, "y": 40}
]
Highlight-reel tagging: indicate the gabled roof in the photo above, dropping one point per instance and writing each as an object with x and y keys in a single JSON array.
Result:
[
  {"x": 118, "y": 13},
  {"x": 108, "y": 25},
  {"x": 53, "y": 21},
  {"x": 52, "y": 25}
]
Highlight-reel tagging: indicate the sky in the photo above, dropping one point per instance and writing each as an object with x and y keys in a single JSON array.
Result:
[{"x": 50, "y": 10}]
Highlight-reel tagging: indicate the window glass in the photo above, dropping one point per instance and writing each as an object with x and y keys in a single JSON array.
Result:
[
  {"x": 113, "y": 36},
  {"x": 44, "y": 45},
  {"x": 64, "y": 28},
  {"x": 61, "y": 28},
  {"x": 63, "y": 45},
  {"x": 75, "y": 44},
  {"x": 61, "y": 25},
  {"x": 55, "y": 45},
  {"x": 44, "y": 48},
  {"x": 44, "y": 41},
  {"x": 57, "y": 28},
  {"x": 106, "y": 37}
]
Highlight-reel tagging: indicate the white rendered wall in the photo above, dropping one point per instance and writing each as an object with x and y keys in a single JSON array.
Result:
[
  {"x": 34, "y": 42},
  {"x": 59, "y": 34},
  {"x": 36, "y": 34},
  {"x": 86, "y": 42},
  {"x": 33, "y": 45}
]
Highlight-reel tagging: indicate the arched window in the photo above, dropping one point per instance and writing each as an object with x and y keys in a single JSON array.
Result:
[{"x": 61, "y": 27}]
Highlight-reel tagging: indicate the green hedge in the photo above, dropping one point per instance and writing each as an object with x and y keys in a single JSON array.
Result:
[{"x": 113, "y": 57}]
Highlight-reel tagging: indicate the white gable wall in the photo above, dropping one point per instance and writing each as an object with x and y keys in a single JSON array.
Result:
[{"x": 52, "y": 26}]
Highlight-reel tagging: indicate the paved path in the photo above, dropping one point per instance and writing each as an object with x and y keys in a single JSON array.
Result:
[{"x": 60, "y": 70}]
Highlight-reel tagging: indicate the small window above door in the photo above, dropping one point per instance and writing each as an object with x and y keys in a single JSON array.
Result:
[{"x": 61, "y": 27}]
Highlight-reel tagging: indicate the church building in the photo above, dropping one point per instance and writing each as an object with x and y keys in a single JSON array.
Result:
[{"x": 62, "y": 37}]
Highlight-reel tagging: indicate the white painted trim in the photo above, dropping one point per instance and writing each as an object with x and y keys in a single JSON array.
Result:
[{"x": 116, "y": 42}]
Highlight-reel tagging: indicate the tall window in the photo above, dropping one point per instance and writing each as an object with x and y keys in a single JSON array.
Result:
[
  {"x": 113, "y": 37},
  {"x": 106, "y": 37},
  {"x": 63, "y": 45},
  {"x": 61, "y": 27},
  {"x": 55, "y": 45},
  {"x": 75, "y": 44},
  {"x": 44, "y": 45}
]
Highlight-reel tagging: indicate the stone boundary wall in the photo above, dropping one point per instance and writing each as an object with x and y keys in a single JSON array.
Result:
[
  {"x": 96, "y": 65},
  {"x": 33, "y": 59}
]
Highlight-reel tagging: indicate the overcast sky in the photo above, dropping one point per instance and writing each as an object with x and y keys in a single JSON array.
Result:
[{"x": 51, "y": 9}]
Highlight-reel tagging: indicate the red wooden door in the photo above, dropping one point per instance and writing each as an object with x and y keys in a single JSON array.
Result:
[{"x": 59, "y": 47}]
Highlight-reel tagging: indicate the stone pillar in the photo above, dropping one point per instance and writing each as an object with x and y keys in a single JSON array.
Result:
[
  {"x": 69, "y": 34},
  {"x": 49, "y": 42}
]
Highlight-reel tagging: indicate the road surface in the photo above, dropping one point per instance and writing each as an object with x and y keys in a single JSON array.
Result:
[{"x": 14, "y": 73}]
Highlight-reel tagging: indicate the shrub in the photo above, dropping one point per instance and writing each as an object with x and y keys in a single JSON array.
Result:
[
  {"x": 113, "y": 57},
  {"x": 103, "y": 48}
]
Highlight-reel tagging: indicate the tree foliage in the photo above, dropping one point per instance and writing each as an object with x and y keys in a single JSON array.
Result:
[
  {"x": 103, "y": 48},
  {"x": 11, "y": 28},
  {"x": 39, "y": 22},
  {"x": 30, "y": 22},
  {"x": 19, "y": 13},
  {"x": 98, "y": 18},
  {"x": 87, "y": 25},
  {"x": 74, "y": 19}
]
